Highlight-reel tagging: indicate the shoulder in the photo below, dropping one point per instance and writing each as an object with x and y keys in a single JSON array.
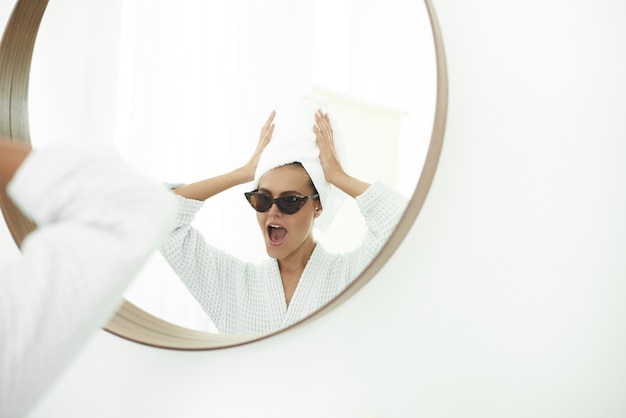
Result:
[{"x": 383, "y": 199}]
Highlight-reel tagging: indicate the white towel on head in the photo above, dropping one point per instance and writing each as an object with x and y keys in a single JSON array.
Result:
[{"x": 293, "y": 140}]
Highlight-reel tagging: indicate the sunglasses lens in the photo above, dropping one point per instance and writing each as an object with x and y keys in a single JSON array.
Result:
[
  {"x": 290, "y": 204},
  {"x": 260, "y": 202}
]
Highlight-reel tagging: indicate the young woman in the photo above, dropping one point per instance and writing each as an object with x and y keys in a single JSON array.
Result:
[{"x": 300, "y": 276}]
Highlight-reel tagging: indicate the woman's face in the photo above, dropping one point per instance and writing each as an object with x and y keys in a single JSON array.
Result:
[{"x": 287, "y": 235}]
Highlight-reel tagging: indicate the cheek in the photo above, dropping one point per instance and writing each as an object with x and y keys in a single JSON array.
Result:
[{"x": 305, "y": 222}]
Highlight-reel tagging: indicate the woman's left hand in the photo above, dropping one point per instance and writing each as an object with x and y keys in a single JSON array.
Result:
[
  {"x": 333, "y": 171},
  {"x": 325, "y": 141}
]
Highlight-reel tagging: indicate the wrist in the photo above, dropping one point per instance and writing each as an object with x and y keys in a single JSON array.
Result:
[
  {"x": 245, "y": 174},
  {"x": 337, "y": 177}
]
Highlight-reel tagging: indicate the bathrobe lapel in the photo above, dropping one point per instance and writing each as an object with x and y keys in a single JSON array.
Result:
[
  {"x": 301, "y": 300},
  {"x": 276, "y": 304}
]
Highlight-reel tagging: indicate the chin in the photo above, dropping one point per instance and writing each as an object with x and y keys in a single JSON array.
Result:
[{"x": 274, "y": 252}]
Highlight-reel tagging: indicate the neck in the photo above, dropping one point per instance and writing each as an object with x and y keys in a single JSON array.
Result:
[
  {"x": 292, "y": 266},
  {"x": 296, "y": 261}
]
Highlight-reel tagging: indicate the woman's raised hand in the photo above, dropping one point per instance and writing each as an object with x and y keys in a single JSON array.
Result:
[
  {"x": 264, "y": 138},
  {"x": 333, "y": 171},
  {"x": 325, "y": 141}
]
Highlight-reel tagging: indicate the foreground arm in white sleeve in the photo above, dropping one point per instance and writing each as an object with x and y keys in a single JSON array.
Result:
[{"x": 98, "y": 222}]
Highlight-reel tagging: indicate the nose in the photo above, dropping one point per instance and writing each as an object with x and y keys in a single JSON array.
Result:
[{"x": 274, "y": 211}]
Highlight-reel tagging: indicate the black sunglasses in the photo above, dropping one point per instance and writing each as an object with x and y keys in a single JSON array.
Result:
[{"x": 262, "y": 202}]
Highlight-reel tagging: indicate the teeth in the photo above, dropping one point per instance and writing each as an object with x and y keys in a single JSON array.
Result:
[{"x": 275, "y": 226}]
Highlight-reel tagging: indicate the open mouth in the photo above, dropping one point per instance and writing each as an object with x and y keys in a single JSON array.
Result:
[{"x": 276, "y": 234}]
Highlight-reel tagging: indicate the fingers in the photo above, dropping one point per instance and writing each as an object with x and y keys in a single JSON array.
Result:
[
  {"x": 322, "y": 128},
  {"x": 324, "y": 135},
  {"x": 267, "y": 133},
  {"x": 269, "y": 124},
  {"x": 270, "y": 119},
  {"x": 268, "y": 129}
]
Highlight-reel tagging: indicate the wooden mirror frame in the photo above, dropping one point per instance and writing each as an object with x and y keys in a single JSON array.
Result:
[{"x": 131, "y": 322}]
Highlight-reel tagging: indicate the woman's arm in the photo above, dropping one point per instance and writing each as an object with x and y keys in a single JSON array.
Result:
[
  {"x": 204, "y": 189},
  {"x": 333, "y": 171},
  {"x": 98, "y": 221},
  {"x": 381, "y": 206}
]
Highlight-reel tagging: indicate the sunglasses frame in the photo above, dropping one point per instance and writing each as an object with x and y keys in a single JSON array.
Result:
[{"x": 278, "y": 201}]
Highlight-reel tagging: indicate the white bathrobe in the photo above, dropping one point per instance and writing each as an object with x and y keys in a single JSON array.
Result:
[
  {"x": 98, "y": 221},
  {"x": 243, "y": 297}
]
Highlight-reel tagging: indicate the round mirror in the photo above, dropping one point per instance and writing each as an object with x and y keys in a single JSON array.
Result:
[{"x": 182, "y": 88}]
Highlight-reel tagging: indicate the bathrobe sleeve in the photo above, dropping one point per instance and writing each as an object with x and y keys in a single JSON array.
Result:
[
  {"x": 382, "y": 207},
  {"x": 214, "y": 277},
  {"x": 98, "y": 222}
]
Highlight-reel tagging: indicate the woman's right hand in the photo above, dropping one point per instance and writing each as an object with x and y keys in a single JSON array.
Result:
[{"x": 264, "y": 138}]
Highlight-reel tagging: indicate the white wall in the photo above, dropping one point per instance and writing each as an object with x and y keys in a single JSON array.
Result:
[{"x": 514, "y": 301}]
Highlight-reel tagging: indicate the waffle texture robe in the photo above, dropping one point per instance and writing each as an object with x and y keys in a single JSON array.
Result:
[
  {"x": 248, "y": 298},
  {"x": 98, "y": 221}
]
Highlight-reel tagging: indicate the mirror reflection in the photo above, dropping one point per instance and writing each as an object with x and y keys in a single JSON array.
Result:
[
  {"x": 298, "y": 182},
  {"x": 183, "y": 90}
]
